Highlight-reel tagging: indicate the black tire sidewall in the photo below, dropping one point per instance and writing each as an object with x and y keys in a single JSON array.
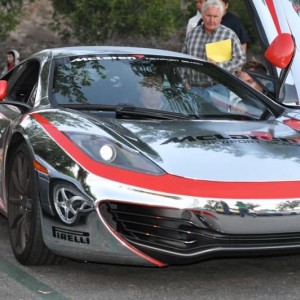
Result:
[{"x": 34, "y": 238}]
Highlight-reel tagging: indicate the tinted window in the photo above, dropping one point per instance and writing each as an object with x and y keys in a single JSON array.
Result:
[{"x": 161, "y": 83}]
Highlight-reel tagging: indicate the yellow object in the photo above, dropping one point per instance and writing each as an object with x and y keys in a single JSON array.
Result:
[{"x": 219, "y": 51}]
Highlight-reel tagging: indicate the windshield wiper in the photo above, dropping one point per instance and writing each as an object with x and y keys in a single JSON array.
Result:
[
  {"x": 102, "y": 107},
  {"x": 131, "y": 111},
  {"x": 127, "y": 110},
  {"x": 228, "y": 116}
]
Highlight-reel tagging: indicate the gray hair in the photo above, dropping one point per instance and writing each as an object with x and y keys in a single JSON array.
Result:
[{"x": 215, "y": 3}]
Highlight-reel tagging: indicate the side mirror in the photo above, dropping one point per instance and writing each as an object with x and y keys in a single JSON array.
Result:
[
  {"x": 281, "y": 51},
  {"x": 280, "y": 54},
  {"x": 3, "y": 89}
]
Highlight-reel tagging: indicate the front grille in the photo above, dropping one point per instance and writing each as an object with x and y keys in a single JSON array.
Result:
[{"x": 180, "y": 230}]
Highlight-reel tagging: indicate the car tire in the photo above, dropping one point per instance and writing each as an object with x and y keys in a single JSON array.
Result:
[{"x": 24, "y": 211}]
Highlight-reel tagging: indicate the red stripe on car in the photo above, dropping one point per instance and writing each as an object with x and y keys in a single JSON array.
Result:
[
  {"x": 169, "y": 183},
  {"x": 272, "y": 10}
]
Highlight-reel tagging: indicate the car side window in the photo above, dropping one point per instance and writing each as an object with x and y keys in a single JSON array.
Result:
[{"x": 23, "y": 81}]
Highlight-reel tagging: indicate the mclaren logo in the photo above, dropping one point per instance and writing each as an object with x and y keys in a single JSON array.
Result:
[
  {"x": 79, "y": 59},
  {"x": 231, "y": 139},
  {"x": 71, "y": 235}
]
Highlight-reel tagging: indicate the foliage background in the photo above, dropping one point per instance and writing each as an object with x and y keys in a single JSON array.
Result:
[
  {"x": 145, "y": 23},
  {"x": 105, "y": 20},
  {"x": 10, "y": 11}
]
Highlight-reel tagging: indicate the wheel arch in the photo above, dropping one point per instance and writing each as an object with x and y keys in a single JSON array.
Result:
[{"x": 15, "y": 141}]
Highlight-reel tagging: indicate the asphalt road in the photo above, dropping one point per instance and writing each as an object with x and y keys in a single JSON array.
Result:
[{"x": 247, "y": 278}]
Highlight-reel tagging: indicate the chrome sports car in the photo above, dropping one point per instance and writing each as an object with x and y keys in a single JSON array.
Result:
[{"x": 145, "y": 157}]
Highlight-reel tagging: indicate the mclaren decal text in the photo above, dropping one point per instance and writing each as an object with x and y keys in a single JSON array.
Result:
[
  {"x": 232, "y": 139},
  {"x": 79, "y": 59}
]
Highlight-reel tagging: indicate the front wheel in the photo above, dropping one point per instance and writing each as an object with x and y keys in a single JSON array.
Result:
[{"x": 24, "y": 212}]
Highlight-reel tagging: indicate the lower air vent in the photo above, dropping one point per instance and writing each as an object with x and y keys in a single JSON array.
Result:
[
  {"x": 181, "y": 231},
  {"x": 174, "y": 228}
]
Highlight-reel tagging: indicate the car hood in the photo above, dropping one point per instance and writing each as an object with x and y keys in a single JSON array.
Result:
[
  {"x": 209, "y": 150},
  {"x": 217, "y": 150}
]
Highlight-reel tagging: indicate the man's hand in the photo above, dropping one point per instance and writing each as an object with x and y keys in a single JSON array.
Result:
[{"x": 211, "y": 60}]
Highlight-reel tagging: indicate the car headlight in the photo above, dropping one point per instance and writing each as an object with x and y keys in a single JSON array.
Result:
[{"x": 104, "y": 150}]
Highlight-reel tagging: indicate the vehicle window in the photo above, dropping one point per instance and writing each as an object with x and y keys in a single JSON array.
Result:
[
  {"x": 22, "y": 83},
  {"x": 166, "y": 84},
  {"x": 93, "y": 82}
]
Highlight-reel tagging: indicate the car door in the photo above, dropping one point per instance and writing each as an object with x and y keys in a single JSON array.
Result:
[
  {"x": 270, "y": 18},
  {"x": 22, "y": 81}
]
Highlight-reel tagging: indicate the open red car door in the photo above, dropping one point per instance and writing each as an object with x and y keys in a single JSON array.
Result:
[{"x": 272, "y": 18}]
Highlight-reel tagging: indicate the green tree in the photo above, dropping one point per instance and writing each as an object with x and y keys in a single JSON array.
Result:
[
  {"x": 10, "y": 11},
  {"x": 288, "y": 205},
  {"x": 95, "y": 22}
]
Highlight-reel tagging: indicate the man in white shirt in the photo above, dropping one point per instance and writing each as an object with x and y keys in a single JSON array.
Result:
[{"x": 192, "y": 23}]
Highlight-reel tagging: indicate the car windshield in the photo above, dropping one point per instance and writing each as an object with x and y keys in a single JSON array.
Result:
[{"x": 159, "y": 83}]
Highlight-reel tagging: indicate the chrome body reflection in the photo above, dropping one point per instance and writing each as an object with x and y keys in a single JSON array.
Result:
[{"x": 103, "y": 177}]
